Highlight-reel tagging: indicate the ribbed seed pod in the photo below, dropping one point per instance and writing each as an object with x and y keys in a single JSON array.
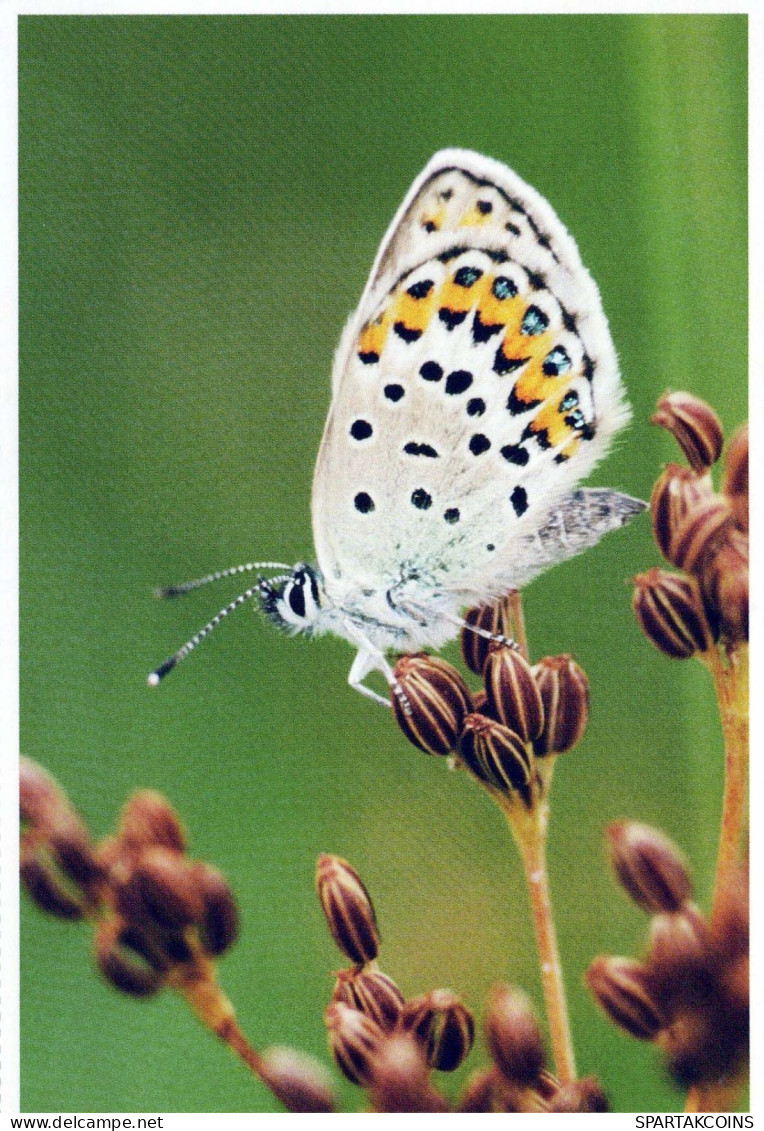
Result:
[
  {"x": 160, "y": 889},
  {"x": 148, "y": 818},
  {"x": 623, "y": 989},
  {"x": 219, "y": 923},
  {"x": 694, "y": 425},
  {"x": 700, "y": 534},
  {"x": 725, "y": 585},
  {"x": 494, "y": 753},
  {"x": 512, "y": 695},
  {"x": 373, "y": 993},
  {"x": 442, "y": 1025},
  {"x": 300, "y": 1082},
  {"x": 348, "y": 909},
  {"x": 496, "y": 619},
  {"x": 44, "y": 883},
  {"x": 680, "y": 953},
  {"x": 671, "y": 613},
  {"x": 513, "y": 1036},
  {"x": 354, "y": 1040},
  {"x": 438, "y": 700},
  {"x": 735, "y": 481},
  {"x": 649, "y": 866},
  {"x": 564, "y": 690},
  {"x": 677, "y": 491}
]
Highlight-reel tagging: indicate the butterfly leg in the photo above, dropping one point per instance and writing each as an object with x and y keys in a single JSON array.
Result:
[
  {"x": 364, "y": 663},
  {"x": 371, "y": 659}
]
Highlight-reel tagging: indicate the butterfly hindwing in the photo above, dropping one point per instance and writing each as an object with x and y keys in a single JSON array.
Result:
[{"x": 473, "y": 388}]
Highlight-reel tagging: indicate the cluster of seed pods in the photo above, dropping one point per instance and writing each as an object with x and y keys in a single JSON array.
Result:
[{"x": 689, "y": 994}]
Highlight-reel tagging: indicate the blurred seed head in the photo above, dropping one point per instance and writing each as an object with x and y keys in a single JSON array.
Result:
[
  {"x": 623, "y": 989},
  {"x": 495, "y": 754},
  {"x": 219, "y": 922},
  {"x": 677, "y": 492},
  {"x": 513, "y": 1035},
  {"x": 649, "y": 866},
  {"x": 298, "y": 1080},
  {"x": 127, "y": 959},
  {"x": 671, "y": 613},
  {"x": 148, "y": 818},
  {"x": 564, "y": 690},
  {"x": 348, "y": 909},
  {"x": 160, "y": 889},
  {"x": 478, "y": 1093},
  {"x": 496, "y": 619},
  {"x": 680, "y": 957},
  {"x": 438, "y": 699},
  {"x": 355, "y": 1041},
  {"x": 584, "y": 1095},
  {"x": 45, "y": 884},
  {"x": 400, "y": 1079},
  {"x": 443, "y": 1027},
  {"x": 735, "y": 480},
  {"x": 512, "y": 694},
  {"x": 371, "y": 991},
  {"x": 694, "y": 425},
  {"x": 725, "y": 587}
]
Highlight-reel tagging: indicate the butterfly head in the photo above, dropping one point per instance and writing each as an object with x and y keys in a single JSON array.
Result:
[{"x": 293, "y": 601}]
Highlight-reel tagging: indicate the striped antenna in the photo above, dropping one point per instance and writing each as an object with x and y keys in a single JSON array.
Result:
[
  {"x": 172, "y": 661},
  {"x": 189, "y": 586}
]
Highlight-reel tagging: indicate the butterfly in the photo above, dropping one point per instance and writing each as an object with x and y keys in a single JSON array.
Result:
[{"x": 473, "y": 388}]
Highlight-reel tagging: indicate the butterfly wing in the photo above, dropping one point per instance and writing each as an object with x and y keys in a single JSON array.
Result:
[{"x": 473, "y": 388}]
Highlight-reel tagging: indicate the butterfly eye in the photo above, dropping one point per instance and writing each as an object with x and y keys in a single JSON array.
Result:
[{"x": 296, "y": 598}]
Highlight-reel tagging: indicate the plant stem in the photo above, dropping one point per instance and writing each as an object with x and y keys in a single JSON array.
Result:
[
  {"x": 731, "y": 682},
  {"x": 517, "y": 617},
  {"x": 529, "y": 828}
]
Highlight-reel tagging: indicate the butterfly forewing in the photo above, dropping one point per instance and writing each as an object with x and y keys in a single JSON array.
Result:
[{"x": 473, "y": 388}]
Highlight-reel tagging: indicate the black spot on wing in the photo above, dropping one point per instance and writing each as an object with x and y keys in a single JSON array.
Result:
[
  {"x": 361, "y": 429},
  {"x": 519, "y": 500},
  {"x": 458, "y": 382},
  {"x": 431, "y": 371},
  {"x": 421, "y": 499},
  {"x": 452, "y": 515},
  {"x": 516, "y": 454},
  {"x": 421, "y": 289},
  {"x": 503, "y": 364},
  {"x": 363, "y": 502},
  {"x": 412, "y": 448},
  {"x": 482, "y": 331},
  {"x": 406, "y": 332},
  {"x": 479, "y": 444},
  {"x": 394, "y": 393},
  {"x": 369, "y": 357},
  {"x": 476, "y": 406},
  {"x": 450, "y": 317}
]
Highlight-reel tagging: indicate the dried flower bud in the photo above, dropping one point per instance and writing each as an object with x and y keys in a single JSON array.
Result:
[
  {"x": 670, "y": 612},
  {"x": 148, "y": 818},
  {"x": 160, "y": 889},
  {"x": 580, "y": 1096},
  {"x": 477, "y": 1096},
  {"x": 494, "y": 754},
  {"x": 512, "y": 694},
  {"x": 348, "y": 909},
  {"x": 42, "y": 802},
  {"x": 649, "y": 866},
  {"x": 735, "y": 481},
  {"x": 680, "y": 954},
  {"x": 694, "y": 425},
  {"x": 438, "y": 699},
  {"x": 300, "y": 1082},
  {"x": 496, "y": 619},
  {"x": 73, "y": 851},
  {"x": 700, "y": 534},
  {"x": 513, "y": 1036},
  {"x": 401, "y": 1079},
  {"x": 373, "y": 993},
  {"x": 564, "y": 691},
  {"x": 45, "y": 885},
  {"x": 677, "y": 492},
  {"x": 725, "y": 583},
  {"x": 128, "y": 960},
  {"x": 219, "y": 924},
  {"x": 442, "y": 1025},
  {"x": 354, "y": 1040},
  {"x": 622, "y": 987}
]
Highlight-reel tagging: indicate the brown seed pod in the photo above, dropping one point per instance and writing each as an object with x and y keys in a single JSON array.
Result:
[
  {"x": 42, "y": 802},
  {"x": 494, "y": 754},
  {"x": 725, "y": 585},
  {"x": 160, "y": 889},
  {"x": 677, "y": 492},
  {"x": 478, "y": 1092},
  {"x": 219, "y": 923},
  {"x": 300, "y": 1082},
  {"x": 348, "y": 909},
  {"x": 512, "y": 694},
  {"x": 371, "y": 991},
  {"x": 442, "y": 1026},
  {"x": 401, "y": 1079},
  {"x": 584, "y": 1095},
  {"x": 649, "y": 866},
  {"x": 128, "y": 960},
  {"x": 497, "y": 619},
  {"x": 694, "y": 425},
  {"x": 671, "y": 613},
  {"x": 623, "y": 989},
  {"x": 735, "y": 481},
  {"x": 354, "y": 1040},
  {"x": 564, "y": 690},
  {"x": 148, "y": 818},
  {"x": 438, "y": 700},
  {"x": 513, "y": 1036},
  {"x": 701, "y": 534},
  {"x": 45, "y": 884}
]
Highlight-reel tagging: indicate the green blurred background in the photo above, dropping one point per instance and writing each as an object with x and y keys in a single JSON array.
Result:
[{"x": 201, "y": 200}]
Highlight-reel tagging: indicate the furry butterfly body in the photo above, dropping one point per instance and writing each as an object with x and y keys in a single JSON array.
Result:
[{"x": 472, "y": 390}]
